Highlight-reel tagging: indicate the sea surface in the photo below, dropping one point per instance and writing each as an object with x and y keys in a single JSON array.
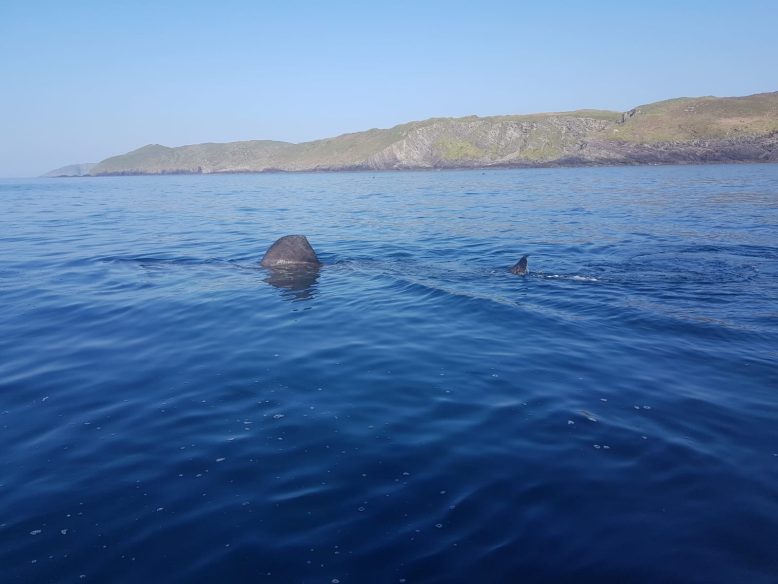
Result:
[{"x": 412, "y": 412}]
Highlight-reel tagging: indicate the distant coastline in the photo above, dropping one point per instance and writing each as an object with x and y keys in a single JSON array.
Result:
[
  {"x": 411, "y": 169},
  {"x": 677, "y": 131}
]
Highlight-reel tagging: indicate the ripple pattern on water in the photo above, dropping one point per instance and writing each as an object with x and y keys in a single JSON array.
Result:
[{"x": 412, "y": 412}]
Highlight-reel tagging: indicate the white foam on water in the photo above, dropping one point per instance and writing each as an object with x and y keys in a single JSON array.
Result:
[{"x": 574, "y": 278}]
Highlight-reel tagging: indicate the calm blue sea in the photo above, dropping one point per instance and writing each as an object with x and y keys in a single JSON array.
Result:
[{"x": 170, "y": 412}]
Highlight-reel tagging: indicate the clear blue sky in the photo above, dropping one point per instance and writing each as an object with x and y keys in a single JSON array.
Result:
[{"x": 81, "y": 81}]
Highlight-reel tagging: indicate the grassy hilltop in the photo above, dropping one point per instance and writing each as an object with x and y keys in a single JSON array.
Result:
[{"x": 705, "y": 129}]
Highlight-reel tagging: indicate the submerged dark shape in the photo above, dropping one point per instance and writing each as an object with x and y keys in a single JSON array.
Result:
[
  {"x": 295, "y": 283},
  {"x": 290, "y": 251},
  {"x": 520, "y": 267}
]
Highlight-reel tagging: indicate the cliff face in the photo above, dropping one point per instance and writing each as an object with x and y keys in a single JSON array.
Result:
[
  {"x": 678, "y": 131},
  {"x": 743, "y": 148},
  {"x": 488, "y": 142}
]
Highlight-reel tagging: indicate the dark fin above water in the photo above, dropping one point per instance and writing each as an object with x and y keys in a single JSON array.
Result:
[
  {"x": 290, "y": 251},
  {"x": 520, "y": 267}
]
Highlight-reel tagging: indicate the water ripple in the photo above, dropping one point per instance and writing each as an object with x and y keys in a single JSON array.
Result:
[{"x": 412, "y": 412}]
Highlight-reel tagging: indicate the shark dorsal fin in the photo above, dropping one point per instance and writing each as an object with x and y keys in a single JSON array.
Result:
[{"x": 520, "y": 267}]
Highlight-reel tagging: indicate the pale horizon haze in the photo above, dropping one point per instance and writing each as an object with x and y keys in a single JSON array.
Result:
[{"x": 83, "y": 81}]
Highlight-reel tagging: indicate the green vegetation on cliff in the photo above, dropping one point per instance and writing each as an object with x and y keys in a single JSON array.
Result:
[
  {"x": 685, "y": 118},
  {"x": 702, "y": 129}
]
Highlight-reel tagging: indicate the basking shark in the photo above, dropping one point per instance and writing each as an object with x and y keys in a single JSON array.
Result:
[
  {"x": 293, "y": 267},
  {"x": 520, "y": 267},
  {"x": 290, "y": 251}
]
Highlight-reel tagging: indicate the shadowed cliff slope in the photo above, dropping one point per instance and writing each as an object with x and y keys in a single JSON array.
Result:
[
  {"x": 684, "y": 130},
  {"x": 72, "y": 170}
]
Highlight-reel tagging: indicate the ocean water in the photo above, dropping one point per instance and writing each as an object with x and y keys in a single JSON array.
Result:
[{"x": 412, "y": 412}]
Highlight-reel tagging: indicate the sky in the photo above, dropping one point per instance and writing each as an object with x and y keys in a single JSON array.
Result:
[{"x": 84, "y": 80}]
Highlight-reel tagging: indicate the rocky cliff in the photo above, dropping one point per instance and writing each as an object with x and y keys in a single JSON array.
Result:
[{"x": 677, "y": 131}]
